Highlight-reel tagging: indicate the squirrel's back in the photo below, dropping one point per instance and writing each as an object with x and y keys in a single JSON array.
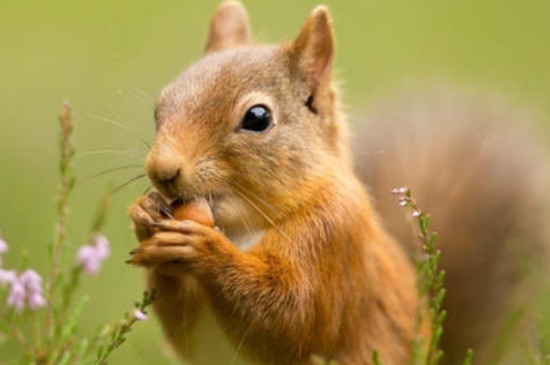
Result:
[{"x": 482, "y": 178}]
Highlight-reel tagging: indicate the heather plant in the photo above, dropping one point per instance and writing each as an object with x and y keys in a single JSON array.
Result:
[
  {"x": 430, "y": 284},
  {"x": 42, "y": 318}
]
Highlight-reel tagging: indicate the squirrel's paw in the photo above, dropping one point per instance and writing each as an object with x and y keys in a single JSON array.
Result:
[
  {"x": 177, "y": 242},
  {"x": 145, "y": 212}
]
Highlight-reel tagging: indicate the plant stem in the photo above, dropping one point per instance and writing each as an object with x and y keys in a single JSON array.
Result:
[
  {"x": 67, "y": 183},
  {"x": 119, "y": 332},
  {"x": 431, "y": 276}
]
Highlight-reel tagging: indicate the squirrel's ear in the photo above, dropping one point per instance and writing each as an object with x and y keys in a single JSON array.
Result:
[
  {"x": 229, "y": 27},
  {"x": 312, "y": 52}
]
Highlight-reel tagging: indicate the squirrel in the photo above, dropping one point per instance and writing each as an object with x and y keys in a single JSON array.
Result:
[{"x": 300, "y": 264}]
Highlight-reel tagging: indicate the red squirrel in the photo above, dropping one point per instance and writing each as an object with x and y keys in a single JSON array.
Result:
[{"x": 298, "y": 265}]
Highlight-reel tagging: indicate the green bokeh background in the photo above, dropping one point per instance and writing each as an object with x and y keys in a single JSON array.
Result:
[{"x": 110, "y": 59}]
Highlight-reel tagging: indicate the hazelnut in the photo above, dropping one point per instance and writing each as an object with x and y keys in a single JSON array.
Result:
[{"x": 196, "y": 210}]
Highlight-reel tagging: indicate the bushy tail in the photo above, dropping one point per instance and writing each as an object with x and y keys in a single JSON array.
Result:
[{"x": 482, "y": 178}]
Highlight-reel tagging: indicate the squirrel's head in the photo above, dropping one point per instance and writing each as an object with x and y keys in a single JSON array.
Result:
[{"x": 250, "y": 126}]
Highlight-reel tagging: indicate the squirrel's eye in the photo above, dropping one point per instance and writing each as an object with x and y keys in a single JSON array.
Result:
[{"x": 257, "y": 119}]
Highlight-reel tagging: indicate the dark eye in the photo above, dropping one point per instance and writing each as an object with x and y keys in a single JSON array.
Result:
[{"x": 257, "y": 119}]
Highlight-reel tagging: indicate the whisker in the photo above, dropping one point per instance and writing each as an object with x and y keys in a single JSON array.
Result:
[
  {"x": 108, "y": 151},
  {"x": 128, "y": 182},
  {"x": 185, "y": 325},
  {"x": 113, "y": 169},
  {"x": 369, "y": 153},
  {"x": 121, "y": 126},
  {"x": 110, "y": 107},
  {"x": 143, "y": 93},
  {"x": 172, "y": 141},
  {"x": 240, "y": 346},
  {"x": 354, "y": 152},
  {"x": 239, "y": 189},
  {"x": 260, "y": 200},
  {"x": 259, "y": 210},
  {"x": 242, "y": 194},
  {"x": 147, "y": 189},
  {"x": 246, "y": 223}
]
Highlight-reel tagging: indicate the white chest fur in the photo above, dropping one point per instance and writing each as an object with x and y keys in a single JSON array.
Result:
[{"x": 247, "y": 240}]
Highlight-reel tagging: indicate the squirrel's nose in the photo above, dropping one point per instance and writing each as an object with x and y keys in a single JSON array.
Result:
[
  {"x": 167, "y": 177},
  {"x": 163, "y": 174},
  {"x": 164, "y": 170}
]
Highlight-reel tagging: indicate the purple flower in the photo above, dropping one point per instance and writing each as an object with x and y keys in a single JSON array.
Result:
[
  {"x": 3, "y": 246},
  {"x": 7, "y": 277},
  {"x": 33, "y": 287},
  {"x": 25, "y": 289},
  {"x": 399, "y": 191},
  {"x": 36, "y": 300},
  {"x": 16, "y": 299},
  {"x": 87, "y": 257},
  {"x": 31, "y": 280},
  {"x": 92, "y": 255},
  {"x": 140, "y": 315},
  {"x": 102, "y": 245}
]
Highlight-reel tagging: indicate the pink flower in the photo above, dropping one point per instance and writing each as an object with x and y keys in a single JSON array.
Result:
[
  {"x": 399, "y": 191},
  {"x": 92, "y": 255},
  {"x": 3, "y": 246},
  {"x": 88, "y": 259},
  {"x": 416, "y": 214},
  {"x": 31, "y": 280},
  {"x": 36, "y": 300},
  {"x": 7, "y": 277},
  {"x": 139, "y": 315},
  {"x": 25, "y": 289},
  {"x": 33, "y": 287},
  {"x": 16, "y": 299},
  {"x": 102, "y": 245}
]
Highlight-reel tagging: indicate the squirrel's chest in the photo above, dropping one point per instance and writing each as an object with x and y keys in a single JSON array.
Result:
[{"x": 247, "y": 240}]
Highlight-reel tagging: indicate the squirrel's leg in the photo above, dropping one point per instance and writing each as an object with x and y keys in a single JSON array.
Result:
[
  {"x": 179, "y": 298},
  {"x": 261, "y": 300}
]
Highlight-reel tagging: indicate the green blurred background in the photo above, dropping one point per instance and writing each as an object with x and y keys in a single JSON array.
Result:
[{"x": 111, "y": 58}]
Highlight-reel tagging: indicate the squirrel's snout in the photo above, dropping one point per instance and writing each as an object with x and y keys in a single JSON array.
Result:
[
  {"x": 167, "y": 177},
  {"x": 165, "y": 180},
  {"x": 165, "y": 171}
]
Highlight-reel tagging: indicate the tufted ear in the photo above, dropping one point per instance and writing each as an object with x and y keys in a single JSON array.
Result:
[
  {"x": 312, "y": 52},
  {"x": 229, "y": 27}
]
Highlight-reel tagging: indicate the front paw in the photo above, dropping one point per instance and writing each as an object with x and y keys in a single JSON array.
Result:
[
  {"x": 178, "y": 244},
  {"x": 145, "y": 212}
]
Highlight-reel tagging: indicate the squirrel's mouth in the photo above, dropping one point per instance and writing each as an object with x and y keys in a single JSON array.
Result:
[
  {"x": 212, "y": 199},
  {"x": 231, "y": 213}
]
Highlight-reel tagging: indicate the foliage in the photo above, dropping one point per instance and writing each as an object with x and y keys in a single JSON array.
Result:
[
  {"x": 46, "y": 328},
  {"x": 430, "y": 283}
]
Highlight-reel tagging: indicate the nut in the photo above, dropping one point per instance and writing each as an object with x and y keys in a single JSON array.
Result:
[{"x": 196, "y": 210}]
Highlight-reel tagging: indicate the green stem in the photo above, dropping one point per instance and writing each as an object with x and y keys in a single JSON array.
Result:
[{"x": 67, "y": 183}]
